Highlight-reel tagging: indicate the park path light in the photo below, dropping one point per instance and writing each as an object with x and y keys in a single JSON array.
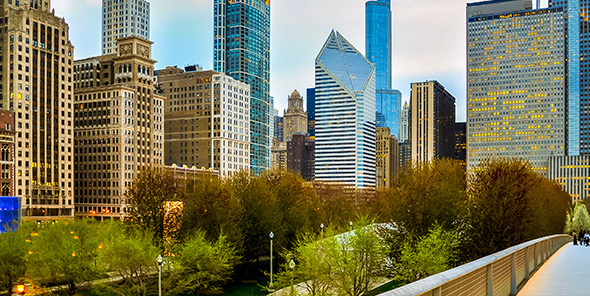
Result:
[
  {"x": 292, "y": 266},
  {"x": 20, "y": 289},
  {"x": 160, "y": 274},
  {"x": 271, "y": 235}
]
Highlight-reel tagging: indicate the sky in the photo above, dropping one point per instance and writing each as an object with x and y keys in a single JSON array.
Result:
[{"x": 428, "y": 39}]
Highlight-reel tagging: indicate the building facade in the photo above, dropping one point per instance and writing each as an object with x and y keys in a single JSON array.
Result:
[
  {"x": 7, "y": 135},
  {"x": 387, "y": 155},
  {"x": 36, "y": 83},
  {"x": 461, "y": 142},
  {"x": 432, "y": 119},
  {"x": 295, "y": 118},
  {"x": 242, "y": 51},
  {"x": 404, "y": 128},
  {"x": 206, "y": 119},
  {"x": 301, "y": 156},
  {"x": 278, "y": 155},
  {"x": 123, "y": 19},
  {"x": 572, "y": 173},
  {"x": 345, "y": 115},
  {"x": 278, "y": 130},
  {"x": 311, "y": 112},
  {"x": 516, "y": 88},
  {"x": 119, "y": 126}
]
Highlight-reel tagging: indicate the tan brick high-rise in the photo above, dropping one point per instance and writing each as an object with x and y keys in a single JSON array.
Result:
[
  {"x": 295, "y": 118},
  {"x": 119, "y": 126},
  {"x": 36, "y": 83}
]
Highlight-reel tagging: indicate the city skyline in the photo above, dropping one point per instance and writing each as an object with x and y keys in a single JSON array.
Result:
[{"x": 294, "y": 45}]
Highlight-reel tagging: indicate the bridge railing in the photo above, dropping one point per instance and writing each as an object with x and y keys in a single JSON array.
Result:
[{"x": 498, "y": 274}]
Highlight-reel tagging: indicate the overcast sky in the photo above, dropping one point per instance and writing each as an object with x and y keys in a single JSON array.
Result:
[{"x": 428, "y": 38}]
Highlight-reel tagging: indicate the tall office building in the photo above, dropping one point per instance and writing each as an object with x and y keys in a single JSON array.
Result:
[
  {"x": 295, "y": 118},
  {"x": 378, "y": 50},
  {"x": 345, "y": 114},
  {"x": 7, "y": 153},
  {"x": 387, "y": 156},
  {"x": 311, "y": 112},
  {"x": 432, "y": 118},
  {"x": 404, "y": 127},
  {"x": 206, "y": 120},
  {"x": 301, "y": 156},
  {"x": 119, "y": 126},
  {"x": 515, "y": 83},
  {"x": 461, "y": 142},
  {"x": 242, "y": 51},
  {"x": 278, "y": 130},
  {"x": 36, "y": 83},
  {"x": 123, "y": 18}
]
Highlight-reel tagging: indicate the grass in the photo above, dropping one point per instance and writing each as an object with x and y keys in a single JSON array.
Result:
[
  {"x": 384, "y": 288},
  {"x": 251, "y": 289}
]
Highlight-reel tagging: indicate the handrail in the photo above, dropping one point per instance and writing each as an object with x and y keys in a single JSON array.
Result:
[{"x": 497, "y": 274}]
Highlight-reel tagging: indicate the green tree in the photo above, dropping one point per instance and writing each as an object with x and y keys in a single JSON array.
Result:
[
  {"x": 130, "y": 253},
  {"x": 200, "y": 265},
  {"x": 64, "y": 252},
  {"x": 13, "y": 256},
  {"x": 580, "y": 221},
  {"x": 431, "y": 254},
  {"x": 146, "y": 199}
]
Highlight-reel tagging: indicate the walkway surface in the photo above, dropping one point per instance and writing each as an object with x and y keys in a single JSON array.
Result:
[{"x": 566, "y": 273}]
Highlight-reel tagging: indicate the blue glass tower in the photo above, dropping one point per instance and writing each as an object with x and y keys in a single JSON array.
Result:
[
  {"x": 242, "y": 51},
  {"x": 378, "y": 49},
  {"x": 10, "y": 212},
  {"x": 344, "y": 115}
]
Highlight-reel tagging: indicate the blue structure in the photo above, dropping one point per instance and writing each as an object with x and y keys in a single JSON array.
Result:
[
  {"x": 242, "y": 51},
  {"x": 378, "y": 49},
  {"x": 344, "y": 115},
  {"x": 10, "y": 212},
  {"x": 311, "y": 112}
]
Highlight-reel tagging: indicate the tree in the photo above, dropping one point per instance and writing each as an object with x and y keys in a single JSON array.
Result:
[
  {"x": 425, "y": 194},
  {"x": 131, "y": 254},
  {"x": 146, "y": 199},
  {"x": 431, "y": 254},
  {"x": 580, "y": 220},
  {"x": 201, "y": 265},
  {"x": 13, "y": 256},
  {"x": 64, "y": 252}
]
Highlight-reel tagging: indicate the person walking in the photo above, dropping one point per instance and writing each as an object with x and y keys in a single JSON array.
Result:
[
  {"x": 586, "y": 238},
  {"x": 575, "y": 238}
]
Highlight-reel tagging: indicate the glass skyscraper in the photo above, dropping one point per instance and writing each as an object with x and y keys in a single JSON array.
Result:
[
  {"x": 344, "y": 114},
  {"x": 516, "y": 88},
  {"x": 242, "y": 51},
  {"x": 311, "y": 112},
  {"x": 378, "y": 50}
]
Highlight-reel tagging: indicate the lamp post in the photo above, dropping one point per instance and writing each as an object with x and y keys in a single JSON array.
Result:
[
  {"x": 322, "y": 227},
  {"x": 20, "y": 289},
  {"x": 271, "y": 235},
  {"x": 292, "y": 266},
  {"x": 160, "y": 275}
]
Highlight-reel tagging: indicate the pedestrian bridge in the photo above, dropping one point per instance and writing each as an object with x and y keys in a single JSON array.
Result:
[{"x": 545, "y": 266}]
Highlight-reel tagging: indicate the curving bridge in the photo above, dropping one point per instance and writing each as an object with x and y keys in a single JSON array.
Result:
[{"x": 529, "y": 268}]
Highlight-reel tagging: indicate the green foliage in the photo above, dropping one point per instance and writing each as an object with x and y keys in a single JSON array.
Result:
[
  {"x": 426, "y": 193},
  {"x": 201, "y": 265},
  {"x": 63, "y": 252},
  {"x": 431, "y": 254},
  {"x": 340, "y": 264},
  {"x": 13, "y": 255},
  {"x": 146, "y": 198},
  {"x": 578, "y": 220},
  {"x": 131, "y": 255}
]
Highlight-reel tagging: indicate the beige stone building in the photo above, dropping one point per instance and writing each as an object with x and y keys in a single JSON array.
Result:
[
  {"x": 278, "y": 155},
  {"x": 119, "y": 127},
  {"x": 387, "y": 156},
  {"x": 207, "y": 120},
  {"x": 36, "y": 83},
  {"x": 295, "y": 118}
]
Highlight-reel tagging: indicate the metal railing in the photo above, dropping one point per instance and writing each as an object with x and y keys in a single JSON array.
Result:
[{"x": 498, "y": 274}]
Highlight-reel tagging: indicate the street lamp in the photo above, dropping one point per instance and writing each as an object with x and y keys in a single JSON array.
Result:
[
  {"x": 322, "y": 227},
  {"x": 271, "y": 235},
  {"x": 20, "y": 289},
  {"x": 160, "y": 275},
  {"x": 292, "y": 266}
]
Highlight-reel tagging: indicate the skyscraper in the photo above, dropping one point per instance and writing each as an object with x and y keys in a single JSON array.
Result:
[
  {"x": 387, "y": 156},
  {"x": 432, "y": 118},
  {"x": 404, "y": 127},
  {"x": 515, "y": 83},
  {"x": 123, "y": 18},
  {"x": 118, "y": 126},
  {"x": 36, "y": 83},
  {"x": 311, "y": 112},
  {"x": 295, "y": 118},
  {"x": 345, "y": 114},
  {"x": 242, "y": 51},
  {"x": 378, "y": 50}
]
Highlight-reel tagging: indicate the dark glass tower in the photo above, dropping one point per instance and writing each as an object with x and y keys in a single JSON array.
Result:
[
  {"x": 311, "y": 112},
  {"x": 242, "y": 51},
  {"x": 378, "y": 50}
]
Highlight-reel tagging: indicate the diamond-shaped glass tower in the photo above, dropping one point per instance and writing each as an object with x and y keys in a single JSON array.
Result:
[{"x": 345, "y": 114}]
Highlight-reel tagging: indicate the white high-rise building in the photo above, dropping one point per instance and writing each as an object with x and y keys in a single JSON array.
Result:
[
  {"x": 124, "y": 18},
  {"x": 404, "y": 129},
  {"x": 345, "y": 115}
]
